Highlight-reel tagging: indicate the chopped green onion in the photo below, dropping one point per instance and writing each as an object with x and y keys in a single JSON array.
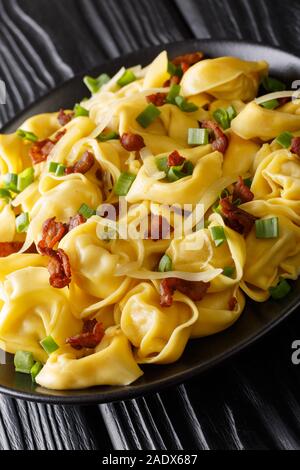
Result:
[
  {"x": 198, "y": 136},
  {"x": 175, "y": 173},
  {"x": 22, "y": 222},
  {"x": 4, "y": 194},
  {"x": 53, "y": 167},
  {"x": 184, "y": 105},
  {"x": 218, "y": 234},
  {"x": 217, "y": 208},
  {"x": 228, "y": 271},
  {"x": 267, "y": 228},
  {"x": 162, "y": 164},
  {"x": 49, "y": 345},
  {"x": 80, "y": 111},
  {"x": 10, "y": 182},
  {"x": 174, "y": 70},
  {"x": 271, "y": 104},
  {"x": 86, "y": 211},
  {"x": 35, "y": 370},
  {"x": 127, "y": 77},
  {"x": 231, "y": 111},
  {"x": 165, "y": 264},
  {"x": 23, "y": 361},
  {"x": 95, "y": 84},
  {"x": 272, "y": 84},
  {"x": 124, "y": 184},
  {"x": 105, "y": 136},
  {"x": 148, "y": 116},
  {"x": 173, "y": 93},
  {"x": 60, "y": 170},
  {"x": 285, "y": 139},
  {"x": 25, "y": 179},
  {"x": 248, "y": 182},
  {"x": 281, "y": 290},
  {"x": 26, "y": 135},
  {"x": 222, "y": 118}
]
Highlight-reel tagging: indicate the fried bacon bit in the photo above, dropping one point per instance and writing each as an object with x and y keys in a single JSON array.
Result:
[
  {"x": 91, "y": 336},
  {"x": 52, "y": 233},
  {"x": 188, "y": 59},
  {"x": 75, "y": 221},
  {"x": 8, "y": 248},
  {"x": 175, "y": 159},
  {"x": 159, "y": 228},
  {"x": 64, "y": 118},
  {"x": 284, "y": 100},
  {"x": 39, "y": 151},
  {"x": 83, "y": 165},
  {"x": 238, "y": 220},
  {"x": 194, "y": 290},
  {"x": 232, "y": 303},
  {"x": 220, "y": 142},
  {"x": 132, "y": 142},
  {"x": 295, "y": 148},
  {"x": 242, "y": 192},
  {"x": 175, "y": 80},
  {"x": 158, "y": 99},
  {"x": 59, "y": 268}
]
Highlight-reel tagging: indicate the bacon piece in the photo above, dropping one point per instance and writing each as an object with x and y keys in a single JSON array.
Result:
[
  {"x": 194, "y": 290},
  {"x": 132, "y": 142},
  {"x": 220, "y": 142},
  {"x": 159, "y": 228},
  {"x": 284, "y": 100},
  {"x": 232, "y": 303},
  {"x": 52, "y": 233},
  {"x": 158, "y": 99},
  {"x": 175, "y": 80},
  {"x": 83, "y": 165},
  {"x": 91, "y": 336},
  {"x": 189, "y": 59},
  {"x": 39, "y": 151},
  {"x": 75, "y": 221},
  {"x": 59, "y": 268},
  {"x": 238, "y": 220},
  {"x": 175, "y": 159},
  {"x": 8, "y": 248},
  {"x": 295, "y": 148},
  {"x": 242, "y": 192},
  {"x": 64, "y": 118}
]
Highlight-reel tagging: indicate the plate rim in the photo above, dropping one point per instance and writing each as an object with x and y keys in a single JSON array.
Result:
[{"x": 96, "y": 397}]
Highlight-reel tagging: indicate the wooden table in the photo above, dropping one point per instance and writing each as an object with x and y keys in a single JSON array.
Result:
[{"x": 250, "y": 402}]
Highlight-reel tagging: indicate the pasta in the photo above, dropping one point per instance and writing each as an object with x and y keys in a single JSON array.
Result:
[{"x": 144, "y": 217}]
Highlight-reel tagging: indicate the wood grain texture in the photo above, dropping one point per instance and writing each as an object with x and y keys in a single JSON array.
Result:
[{"x": 251, "y": 402}]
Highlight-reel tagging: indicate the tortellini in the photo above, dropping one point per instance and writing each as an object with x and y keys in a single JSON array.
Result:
[{"x": 125, "y": 218}]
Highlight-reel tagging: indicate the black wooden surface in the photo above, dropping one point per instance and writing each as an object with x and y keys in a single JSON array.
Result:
[{"x": 252, "y": 401}]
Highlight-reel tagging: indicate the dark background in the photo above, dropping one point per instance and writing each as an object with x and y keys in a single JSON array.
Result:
[{"x": 252, "y": 401}]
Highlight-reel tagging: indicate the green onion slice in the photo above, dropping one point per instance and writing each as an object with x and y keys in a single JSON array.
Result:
[
  {"x": 267, "y": 228},
  {"x": 248, "y": 182},
  {"x": 285, "y": 139},
  {"x": 271, "y": 104},
  {"x": 127, "y": 77},
  {"x": 222, "y": 118},
  {"x": 60, "y": 170},
  {"x": 23, "y": 361},
  {"x": 173, "y": 93},
  {"x": 5, "y": 194},
  {"x": 80, "y": 111},
  {"x": 49, "y": 345},
  {"x": 281, "y": 290},
  {"x": 231, "y": 111},
  {"x": 22, "y": 222},
  {"x": 53, "y": 167},
  {"x": 175, "y": 173},
  {"x": 272, "y": 84},
  {"x": 184, "y": 105},
  {"x": 174, "y": 70},
  {"x": 25, "y": 179},
  {"x": 198, "y": 136},
  {"x": 86, "y": 211},
  {"x": 95, "y": 84},
  {"x": 124, "y": 184},
  {"x": 10, "y": 182},
  {"x": 165, "y": 264},
  {"x": 228, "y": 271},
  {"x": 26, "y": 135},
  {"x": 162, "y": 164},
  {"x": 218, "y": 234},
  {"x": 105, "y": 136},
  {"x": 35, "y": 370},
  {"x": 148, "y": 116}
]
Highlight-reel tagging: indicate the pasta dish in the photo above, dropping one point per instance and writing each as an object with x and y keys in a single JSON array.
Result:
[{"x": 143, "y": 217}]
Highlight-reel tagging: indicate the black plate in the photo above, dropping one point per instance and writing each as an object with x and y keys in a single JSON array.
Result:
[{"x": 200, "y": 354}]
